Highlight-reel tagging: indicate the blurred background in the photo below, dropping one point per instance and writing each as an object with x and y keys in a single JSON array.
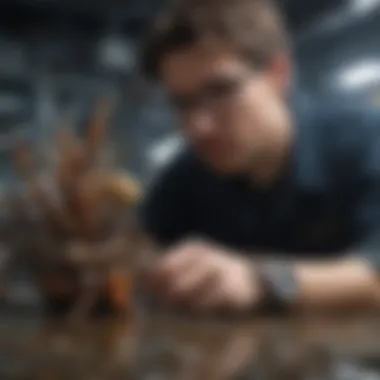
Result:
[{"x": 57, "y": 56}]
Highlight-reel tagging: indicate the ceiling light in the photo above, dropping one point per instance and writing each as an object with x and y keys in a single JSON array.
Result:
[
  {"x": 360, "y": 76},
  {"x": 364, "y": 6},
  {"x": 116, "y": 53}
]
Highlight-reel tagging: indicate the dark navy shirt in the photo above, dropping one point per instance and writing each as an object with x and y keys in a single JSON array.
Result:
[{"x": 326, "y": 204}]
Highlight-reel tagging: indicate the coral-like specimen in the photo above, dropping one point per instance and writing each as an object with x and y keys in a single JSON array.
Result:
[{"x": 73, "y": 222}]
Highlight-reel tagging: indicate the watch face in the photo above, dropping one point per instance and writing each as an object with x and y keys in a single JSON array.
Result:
[
  {"x": 289, "y": 290},
  {"x": 373, "y": 259},
  {"x": 282, "y": 282}
]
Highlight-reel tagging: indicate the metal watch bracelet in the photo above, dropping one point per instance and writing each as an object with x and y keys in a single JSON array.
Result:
[{"x": 281, "y": 290}]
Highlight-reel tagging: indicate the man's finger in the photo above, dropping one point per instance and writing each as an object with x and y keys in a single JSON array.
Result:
[
  {"x": 210, "y": 300},
  {"x": 178, "y": 258},
  {"x": 175, "y": 261},
  {"x": 190, "y": 282},
  {"x": 171, "y": 265}
]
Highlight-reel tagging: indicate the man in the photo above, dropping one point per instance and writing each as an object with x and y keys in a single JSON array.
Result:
[{"x": 275, "y": 200}]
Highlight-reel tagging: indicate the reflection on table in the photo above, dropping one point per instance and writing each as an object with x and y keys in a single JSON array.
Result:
[{"x": 170, "y": 348}]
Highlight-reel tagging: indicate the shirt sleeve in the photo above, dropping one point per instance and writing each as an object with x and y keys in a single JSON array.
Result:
[
  {"x": 164, "y": 210},
  {"x": 366, "y": 200}
]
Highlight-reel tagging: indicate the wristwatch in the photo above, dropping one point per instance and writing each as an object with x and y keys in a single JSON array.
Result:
[{"x": 281, "y": 291}]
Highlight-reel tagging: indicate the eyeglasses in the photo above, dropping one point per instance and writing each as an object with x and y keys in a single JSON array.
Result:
[{"x": 216, "y": 95}]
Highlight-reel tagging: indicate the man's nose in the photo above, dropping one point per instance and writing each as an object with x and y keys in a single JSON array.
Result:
[{"x": 200, "y": 124}]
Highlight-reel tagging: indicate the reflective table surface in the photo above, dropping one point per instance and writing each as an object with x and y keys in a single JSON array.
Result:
[{"x": 165, "y": 347}]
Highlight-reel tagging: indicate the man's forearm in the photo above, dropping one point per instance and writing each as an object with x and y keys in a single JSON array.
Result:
[
  {"x": 346, "y": 282},
  {"x": 324, "y": 284}
]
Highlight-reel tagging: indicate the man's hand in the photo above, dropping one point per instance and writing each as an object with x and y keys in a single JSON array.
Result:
[{"x": 205, "y": 278}]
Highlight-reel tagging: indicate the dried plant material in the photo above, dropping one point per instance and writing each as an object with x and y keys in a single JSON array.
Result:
[
  {"x": 24, "y": 159},
  {"x": 122, "y": 189},
  {"x": 97, "y": 131},
  {"x": 79, "y": 213}
]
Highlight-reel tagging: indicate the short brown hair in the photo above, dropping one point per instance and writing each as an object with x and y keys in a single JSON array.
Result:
[{"x": 254, "y": 27}]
